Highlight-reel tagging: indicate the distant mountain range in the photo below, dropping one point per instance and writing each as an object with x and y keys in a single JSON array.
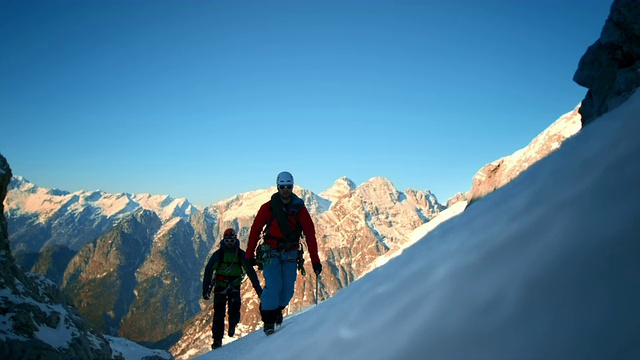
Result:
[{"x": 133, "y": 263}]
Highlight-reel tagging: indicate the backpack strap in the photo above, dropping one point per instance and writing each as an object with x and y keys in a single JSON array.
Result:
[
  {"x": 226, "y": 283},
  {"x": 291, "y": 236}
]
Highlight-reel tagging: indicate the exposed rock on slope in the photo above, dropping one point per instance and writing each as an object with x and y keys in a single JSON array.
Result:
[
  {"x": 610, "y": 68},
  {"x": 500, "y": 172},
  {"x": 36, "y": 319}
]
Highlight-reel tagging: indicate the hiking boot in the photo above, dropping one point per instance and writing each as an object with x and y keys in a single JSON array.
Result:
[
  {"x": 216, "y": 344},
  {"x": 279, "y": 317},
  {"x": 232, "y": 331},
  {"x": 269, "y": 329}
]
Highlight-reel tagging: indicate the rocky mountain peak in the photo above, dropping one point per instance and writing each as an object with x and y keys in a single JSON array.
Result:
[
  {"x": 380, "y": 188},
  {"x": 341, "y": 187},
  {"x": 610, "y": 68}
]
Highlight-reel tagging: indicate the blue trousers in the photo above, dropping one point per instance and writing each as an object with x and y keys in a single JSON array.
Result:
[{"x": 280, "y": 272}]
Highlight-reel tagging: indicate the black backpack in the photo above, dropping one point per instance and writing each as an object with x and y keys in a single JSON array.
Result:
[{"x": 291, "y": 236}]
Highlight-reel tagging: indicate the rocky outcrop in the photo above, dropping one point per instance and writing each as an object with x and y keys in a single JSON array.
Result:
[
  {"x": 37, "y": 320},
  {"x": 610, "y": 68},
  {"x": 5, "y": 178},
  {"x": 500, "y": 172},
  {"x": 101, "y": 277},
  {"x": 459, "y": 197},
  {"x": 167, "y": 286}
]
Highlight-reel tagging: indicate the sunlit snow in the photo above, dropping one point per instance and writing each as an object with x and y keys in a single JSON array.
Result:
[{"x": 548, "y": 267}]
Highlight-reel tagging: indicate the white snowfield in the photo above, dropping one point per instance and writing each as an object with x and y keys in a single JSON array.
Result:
[{"x": 547, "y": 267}]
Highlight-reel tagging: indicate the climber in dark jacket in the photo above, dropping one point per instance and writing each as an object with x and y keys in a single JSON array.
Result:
[{"x": 224, "y": 274}]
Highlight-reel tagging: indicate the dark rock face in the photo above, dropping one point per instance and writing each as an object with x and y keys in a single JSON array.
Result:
[
  {"x": 37, "y": 320},
  {"x": 610, "y": 68},
  {"x": 5, "y": 178}
]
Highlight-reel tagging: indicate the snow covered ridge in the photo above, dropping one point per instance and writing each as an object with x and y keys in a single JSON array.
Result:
[
  {"x": 35, "y": 321},
  {"x": 500, "y": 172},
  {"x": 27, "y": 197}
]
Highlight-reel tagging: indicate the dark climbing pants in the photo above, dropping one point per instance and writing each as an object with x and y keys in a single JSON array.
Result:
[{"x": 219, "y": 308}]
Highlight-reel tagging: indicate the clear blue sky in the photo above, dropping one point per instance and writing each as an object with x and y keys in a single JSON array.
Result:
[{"x": 207, "y": 99}]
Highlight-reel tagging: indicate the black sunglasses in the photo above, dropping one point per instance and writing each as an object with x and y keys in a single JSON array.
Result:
[{"x": 281, "y": 187}]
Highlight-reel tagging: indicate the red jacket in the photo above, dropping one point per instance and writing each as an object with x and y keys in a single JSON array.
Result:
[{"x": 265, "y": 216}]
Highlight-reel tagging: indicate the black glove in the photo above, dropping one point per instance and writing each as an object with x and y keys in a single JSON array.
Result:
[
  {"x": 205, "y": 294},
  {"x": 252, "y": 262},
  {"x": 317, "y": 268}
]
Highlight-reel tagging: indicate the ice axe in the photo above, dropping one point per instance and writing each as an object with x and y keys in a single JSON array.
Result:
[{"x": 317, "y": 281}]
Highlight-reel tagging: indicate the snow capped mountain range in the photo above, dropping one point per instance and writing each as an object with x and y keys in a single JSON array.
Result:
[
  {"x": 30, "y": 205},
  {"x": 340, "y": 188},
  {"x": 155, "y": 247},
  {"x": 30, "y": 198},
  {"x": 511, "y": 277}
]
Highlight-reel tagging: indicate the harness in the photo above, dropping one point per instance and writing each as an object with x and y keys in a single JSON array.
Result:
[
  {"x": 291, "y": 236},
  {"x": 222, "y": 283},
  {"x": 291, "y": 239}
]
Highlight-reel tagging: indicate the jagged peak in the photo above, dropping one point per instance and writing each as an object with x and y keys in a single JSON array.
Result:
[
  {"x": 425, "y": 192},
  {"x": 378, "y": 182},
  {"x": 20, "y": 183},
  {"x": 340, "y": 188},
  {"x": 345, "y": 181},
  {"x": 19, "y": 179},
  {"x": 170, "y": 224},
  {"x": 32, "y": 198}
]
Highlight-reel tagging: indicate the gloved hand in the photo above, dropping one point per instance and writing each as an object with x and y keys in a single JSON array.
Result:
[
  {"x": 252, "y": 261},
  {"x": 317, "y": 268},
  {"x": 205, "y": 294}
]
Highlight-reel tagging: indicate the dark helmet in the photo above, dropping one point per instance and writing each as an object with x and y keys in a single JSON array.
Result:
[
  {"x": 230, "y": 233},
  {"x": 230, "y": 238}
]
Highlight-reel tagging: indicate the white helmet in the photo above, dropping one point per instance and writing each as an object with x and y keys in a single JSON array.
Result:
[{"x": 284, "y": 178}]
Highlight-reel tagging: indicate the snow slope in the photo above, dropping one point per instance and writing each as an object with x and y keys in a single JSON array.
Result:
[{"x": 547, "y": 267}]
